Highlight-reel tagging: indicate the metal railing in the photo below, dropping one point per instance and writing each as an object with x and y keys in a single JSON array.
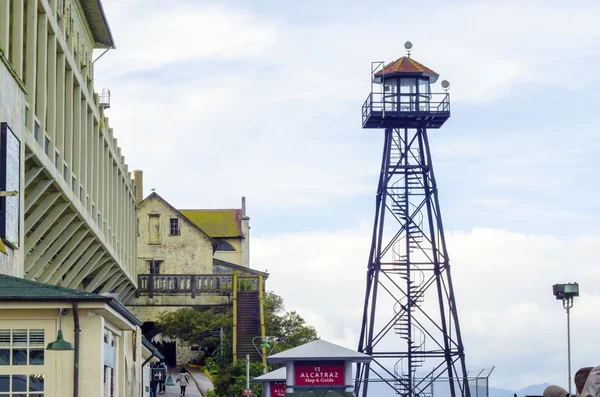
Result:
[
  {"x": 193, "y": 284},
  {"x": 405, "y": 103}
]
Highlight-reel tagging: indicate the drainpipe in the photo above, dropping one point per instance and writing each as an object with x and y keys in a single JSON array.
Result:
[{"x": 77, "y": 330}]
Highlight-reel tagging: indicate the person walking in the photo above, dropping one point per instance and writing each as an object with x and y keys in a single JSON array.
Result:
[
  {"x": 161, "y": 384},
  {"x": 184, "y": 380}
]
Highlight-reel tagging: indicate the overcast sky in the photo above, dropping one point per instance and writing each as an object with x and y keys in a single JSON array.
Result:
[{"x": 218, "y": 100}]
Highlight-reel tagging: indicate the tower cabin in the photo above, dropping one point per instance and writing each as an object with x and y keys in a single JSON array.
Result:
[{"x": 401, "y": 96}]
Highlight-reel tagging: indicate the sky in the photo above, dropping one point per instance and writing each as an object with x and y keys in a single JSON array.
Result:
[{"x": 215, "y": 100}]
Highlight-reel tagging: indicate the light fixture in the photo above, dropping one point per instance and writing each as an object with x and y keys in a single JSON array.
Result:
[
  {"x": 445, "y": 84},
  {"x": 59, "y": 344},
  {"x": 265, "y": 345},
  {"x": 566, "y": 293}
]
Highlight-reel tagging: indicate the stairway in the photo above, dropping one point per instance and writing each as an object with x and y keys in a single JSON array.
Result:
[{"x": 248, "y": 324}]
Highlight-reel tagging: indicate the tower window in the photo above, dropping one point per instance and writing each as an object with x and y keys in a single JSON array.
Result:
[{"x": 175, "y": 227}]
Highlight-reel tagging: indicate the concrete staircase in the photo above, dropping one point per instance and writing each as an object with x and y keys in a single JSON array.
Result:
[{"x": 248, "y": 324}]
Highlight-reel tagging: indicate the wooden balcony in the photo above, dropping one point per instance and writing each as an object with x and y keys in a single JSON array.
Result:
[{"x": 193, "y": 284}]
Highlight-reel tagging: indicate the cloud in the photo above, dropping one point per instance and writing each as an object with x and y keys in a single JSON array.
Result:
[{"x": 502, "y": 280}]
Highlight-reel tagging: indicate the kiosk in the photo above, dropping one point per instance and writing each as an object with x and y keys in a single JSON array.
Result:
[
  {"x": 320, "y": 368},
  {"x": 273, "y": 383}
]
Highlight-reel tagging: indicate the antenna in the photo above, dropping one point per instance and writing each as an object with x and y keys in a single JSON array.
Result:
[
  {"x": 445, "y": 85},
  {"x": 408, "y": 45}
]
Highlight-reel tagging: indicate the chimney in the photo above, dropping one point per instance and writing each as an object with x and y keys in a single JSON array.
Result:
[
  {"x": 245, "y": 224},
  {"x": 138, "y": 182}
]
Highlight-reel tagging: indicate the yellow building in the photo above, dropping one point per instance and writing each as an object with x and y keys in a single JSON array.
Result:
[
  {"x": 112, "y": 359},
  {"x": 178, "y": 266},
  {"x": 72, "y": 220}
]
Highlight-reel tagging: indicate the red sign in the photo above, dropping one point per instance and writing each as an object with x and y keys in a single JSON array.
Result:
[
  {"x": 277, "y": 389},
  {"x": 319, "y": 375},
  {"x": 247, "y": 392}
]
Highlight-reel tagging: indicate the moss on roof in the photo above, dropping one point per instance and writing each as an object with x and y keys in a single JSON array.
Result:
[{"x": 217, "y": 223}]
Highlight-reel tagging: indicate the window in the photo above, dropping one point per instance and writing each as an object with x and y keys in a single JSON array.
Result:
[
  {"x": 65, "y": 172},
  {"x": 223, "y": 245},
  {"x": 46, "y": 146},
  {"x": 175, "y": 227},
  {"x": 36, "y": 131},
  {"x": 21, "y": 347},
  {"x": 154, "y": 229},
  {"x": 154, "y": 266},
  {"x": 22, "y": 385},
  {"x": 73, "y": 183},
  {"x": 56, "y": 158},
  {"x": 81, "y": 193},
  {"x": 26, "y": 115}
]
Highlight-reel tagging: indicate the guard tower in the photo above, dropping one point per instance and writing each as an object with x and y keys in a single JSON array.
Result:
[{"x": 410, "y": 324}]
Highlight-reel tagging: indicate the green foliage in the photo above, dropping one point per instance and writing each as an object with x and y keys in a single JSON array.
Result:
[
  {"x": 189, "y": 324},
  {"x": 232, "y": 380}
]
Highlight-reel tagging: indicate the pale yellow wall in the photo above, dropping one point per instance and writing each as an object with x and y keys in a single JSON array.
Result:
[
  {"x": 188, "y": 253},
  {"x": 58, "y": 366},
  {"x": 231, "y": 256}
]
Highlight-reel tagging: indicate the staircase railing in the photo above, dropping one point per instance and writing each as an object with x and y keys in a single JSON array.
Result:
[{"x": 193, "y": 284}]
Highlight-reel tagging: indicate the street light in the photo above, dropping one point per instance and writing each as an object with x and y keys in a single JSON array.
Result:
[
  {"x": 264, "y": 349},
  {"x": 566, "y": 293},
  {"x": 60, "y": 344}
]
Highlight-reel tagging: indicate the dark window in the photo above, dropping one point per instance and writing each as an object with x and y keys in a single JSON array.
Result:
[
  {"x": 56, "y": 157},
  {"x": 175, "y": 227},
  {"x": 154, "y": 267},
  {"x": 65, "y": 172},
  {"x": 36, "y": 131},
  {"x": 73, "y": 183},
  {"x": 223, "y": 245},
  {"x": 46, "y": 146}
]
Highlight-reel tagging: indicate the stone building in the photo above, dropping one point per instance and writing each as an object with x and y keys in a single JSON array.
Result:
[{"x": 179, "y": 266}]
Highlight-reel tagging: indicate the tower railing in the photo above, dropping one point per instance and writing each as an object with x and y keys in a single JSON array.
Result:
[{"x": 382, "y": 104}]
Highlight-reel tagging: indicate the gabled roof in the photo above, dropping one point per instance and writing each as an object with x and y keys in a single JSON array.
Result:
[
  {"x": 96, "y": 19},
  {"x": 217, "y": 223},
  {"x": 156, "y": 196},
  {"x": 15, "y": 289},
  {"x": 274, "y": 376},
  {"x": 319, "y": 350},
  {"x": 237, "y": 268},
  {"x": 407, "y": 65}
]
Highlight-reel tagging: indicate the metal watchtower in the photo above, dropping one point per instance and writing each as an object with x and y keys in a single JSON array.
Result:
[{"x": 410, "y": 324}]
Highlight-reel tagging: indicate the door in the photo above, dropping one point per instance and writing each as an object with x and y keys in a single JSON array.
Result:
[{"x": 154, "y": 229}]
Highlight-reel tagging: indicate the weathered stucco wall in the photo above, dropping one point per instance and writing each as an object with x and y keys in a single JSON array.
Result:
[{"x": 232, "y": 256}]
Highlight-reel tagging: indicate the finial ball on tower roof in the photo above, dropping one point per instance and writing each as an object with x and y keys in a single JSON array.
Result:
[{"x": 408, "y": 45}]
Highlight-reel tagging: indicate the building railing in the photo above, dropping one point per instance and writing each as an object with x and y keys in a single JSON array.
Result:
[
  {"x": 194, "y": 284},
  {"x": 405, "y": 103}
]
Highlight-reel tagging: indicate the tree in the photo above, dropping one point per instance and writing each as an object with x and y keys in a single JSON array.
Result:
[{"x": 192, "y": 324}]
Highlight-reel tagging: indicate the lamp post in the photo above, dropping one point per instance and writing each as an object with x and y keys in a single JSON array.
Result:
[
  {"x": 567, "y": 292},
  {"x": 263, "y": 348}
]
